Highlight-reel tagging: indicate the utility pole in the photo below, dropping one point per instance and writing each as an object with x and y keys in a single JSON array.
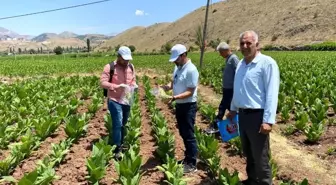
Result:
[{"x": 204, "y": 33}]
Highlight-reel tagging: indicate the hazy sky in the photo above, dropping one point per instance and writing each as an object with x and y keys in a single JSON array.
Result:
[{"x": 107, "y": 18}]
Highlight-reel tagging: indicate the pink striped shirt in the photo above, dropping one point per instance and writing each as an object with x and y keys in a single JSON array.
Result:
[{"x": 121, "y": 75}]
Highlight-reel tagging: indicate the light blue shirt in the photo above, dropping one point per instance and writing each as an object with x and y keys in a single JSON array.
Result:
[
  {"x": 185, "y": 77},
  {"x": 256, "y": 86}
]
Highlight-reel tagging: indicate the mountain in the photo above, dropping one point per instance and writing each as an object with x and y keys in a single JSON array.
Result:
[
  {"x": 67, "y": 34},
  {"x": 45, "y": 36},
  {"x": 9, "y": 38},
  {"x": 94, "y": 38},
  {"x": 4, "y": 32},
  {"x": 278, "y": 22}
]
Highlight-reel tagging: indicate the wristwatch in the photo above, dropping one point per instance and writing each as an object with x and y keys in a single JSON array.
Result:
[{"x": 174, "y": 98}]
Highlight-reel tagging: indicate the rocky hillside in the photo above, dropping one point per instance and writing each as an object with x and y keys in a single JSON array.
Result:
[{"x": 278, "y": 22}]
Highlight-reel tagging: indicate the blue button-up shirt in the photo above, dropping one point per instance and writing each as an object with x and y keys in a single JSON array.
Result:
[
  {"x": 185, "y": 77},
  {"x": 256, "y": 86}
]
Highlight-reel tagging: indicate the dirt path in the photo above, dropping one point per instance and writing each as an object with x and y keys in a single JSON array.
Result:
[
  {"x": 29, "y": 164},
  {"x": 228, "y": 159},
  {"x": 147, "y": 147},
  {"x": 200, "y": 177},
  {"x": 294, "y": 162},
  {"x": 73, "y": 169}
]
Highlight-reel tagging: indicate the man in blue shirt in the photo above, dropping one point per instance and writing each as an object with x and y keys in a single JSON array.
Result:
[
  {"x": 255, "y": 98},
  {"x": 227, "y": 87},
  {"x": 185, "y": 82}
]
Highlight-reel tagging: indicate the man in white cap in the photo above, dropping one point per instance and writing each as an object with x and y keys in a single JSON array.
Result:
[
  {"x": 185, "y": 82},
  {"x": 116, "y": 76},
  {"x": 229, "y": 72}
]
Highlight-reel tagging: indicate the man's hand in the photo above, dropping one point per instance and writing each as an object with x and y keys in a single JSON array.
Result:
[
  {"x": 265, "y": 128},
  {"x": 122, "y": 87},
  {"x": 231, "y": 114},
  {"x": 171, "y": 100}
]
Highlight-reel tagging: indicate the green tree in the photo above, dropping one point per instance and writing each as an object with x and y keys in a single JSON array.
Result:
[
  {"x": 117, "y": 47},
  {"x": 199, "y": 36},
  {"x": 166, "y": 47},
  {"x": 214, "y": 43},
  {"x": 88, "y": 44},
  {"x": 132, "y": 48},
  {"x": 58, "y": 50}
]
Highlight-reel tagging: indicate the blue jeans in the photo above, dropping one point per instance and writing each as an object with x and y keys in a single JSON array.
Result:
[
  {"x": 119, "y": 114},
  {"x": 185, "y": 116}
]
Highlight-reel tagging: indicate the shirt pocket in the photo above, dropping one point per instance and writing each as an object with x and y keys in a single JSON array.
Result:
[{"x": 253, "y": 76}]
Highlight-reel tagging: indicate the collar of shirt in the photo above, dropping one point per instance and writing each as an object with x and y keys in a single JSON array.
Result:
[
  {"x": 255, "y": 60},
  {"x": 227, "y": 58},
  {"x": 184, "y": 65}
]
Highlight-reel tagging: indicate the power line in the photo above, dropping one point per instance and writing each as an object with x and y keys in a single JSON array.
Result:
[{"x": 53, "y": 10}]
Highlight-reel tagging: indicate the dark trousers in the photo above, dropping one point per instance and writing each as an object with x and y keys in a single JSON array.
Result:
[
  {"x": 185, "y": 116},
  {"x": 255, "y": 147},
  {"x": 225, "y": 103}
]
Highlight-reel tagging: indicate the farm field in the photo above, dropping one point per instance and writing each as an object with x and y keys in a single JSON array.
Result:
[{"x": 53, "y": 123}]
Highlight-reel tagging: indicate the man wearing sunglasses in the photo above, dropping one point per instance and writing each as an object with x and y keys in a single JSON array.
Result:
[{"x": 184, "y": 85}]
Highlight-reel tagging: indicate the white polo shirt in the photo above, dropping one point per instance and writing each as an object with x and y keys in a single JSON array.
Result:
[{"x": 185, "y": 77}]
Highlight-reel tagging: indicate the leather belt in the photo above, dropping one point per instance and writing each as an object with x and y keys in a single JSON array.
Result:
[{"x": 243, "y": 110}]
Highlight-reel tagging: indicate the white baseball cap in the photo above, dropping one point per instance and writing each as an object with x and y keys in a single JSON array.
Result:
[
  {"x": 125, "y": 53},
  {"x": 176, "y": 51}
]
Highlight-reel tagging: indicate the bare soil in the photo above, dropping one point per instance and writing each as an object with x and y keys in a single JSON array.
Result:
[
  {"x": 28, "y": 165},
  {"x": 295, "y": 162},
  {"x": 292, "y": 23},
  {"x": 199, "y": 177},
  {"x": 320, "y": 149},
  {"x": 73, "y": 169},
  {"x": 147, "y": 147}
]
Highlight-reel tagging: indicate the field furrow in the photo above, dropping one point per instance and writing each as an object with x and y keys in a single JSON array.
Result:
[
  {"x": 147, "y": 146},
  {"x": 29, "y": 164},
  {"x": 199, "y": 177},
  {"x": 73, "y": 169},
  {"x": 294, "y": 162}
]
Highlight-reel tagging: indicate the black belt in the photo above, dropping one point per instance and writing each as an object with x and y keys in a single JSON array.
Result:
[{"x": 242, "y": 110}]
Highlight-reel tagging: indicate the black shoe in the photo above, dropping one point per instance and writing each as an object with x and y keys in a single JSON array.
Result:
[
  {"x": 211, "y": 130},
  {"x": 124, "y": 148},
  {"x": 117, "y": 156},
  {"x": 189, "y": 168},
  {"x": 249, "y": 182},
  {"x": 181, "y": 161}
]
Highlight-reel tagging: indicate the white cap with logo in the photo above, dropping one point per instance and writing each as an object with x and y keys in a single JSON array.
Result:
[
  {"x": 125, "y": 53},
  {"x": 176, "y": 51}
]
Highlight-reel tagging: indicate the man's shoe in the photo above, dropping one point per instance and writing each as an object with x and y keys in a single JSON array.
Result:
[
  {"x": 211, "y": 130},
  {"x": 181, "y": 161},
  {"x": 188, "y": 168},
  {"x": 245, "y": 182},
  {"x": 117, "y": 156},
  {"x": 124, "y": 148}
]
